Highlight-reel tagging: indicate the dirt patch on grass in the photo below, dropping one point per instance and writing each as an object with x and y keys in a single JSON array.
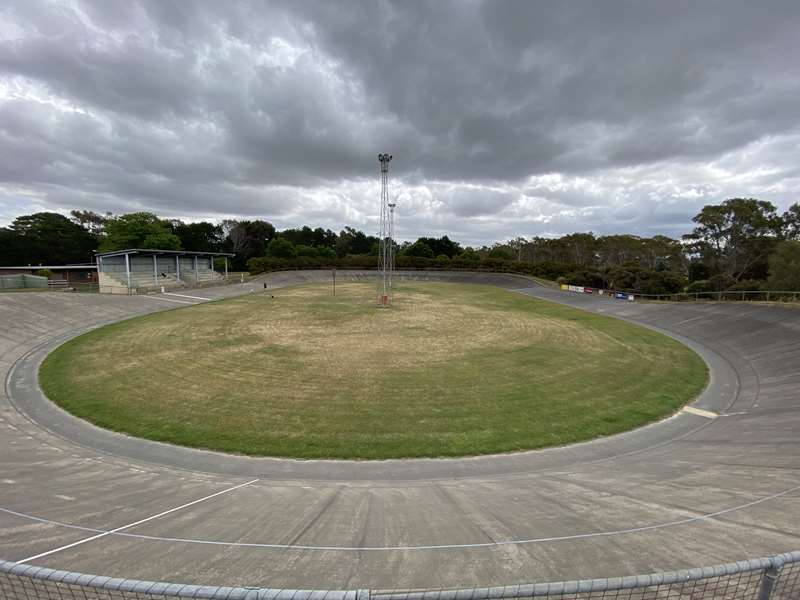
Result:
[{"x": 420, "y": 328}]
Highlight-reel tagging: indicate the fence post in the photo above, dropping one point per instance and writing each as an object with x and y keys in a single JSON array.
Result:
[
  {"x": 768, "y": 583},
  {"x": 365, "y": 594}
]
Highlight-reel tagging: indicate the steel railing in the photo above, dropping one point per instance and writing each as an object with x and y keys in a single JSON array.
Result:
[{"x": 771, "y": 578}]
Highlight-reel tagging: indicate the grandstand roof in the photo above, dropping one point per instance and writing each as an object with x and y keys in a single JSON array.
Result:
[{"x": 156, "y": 251}]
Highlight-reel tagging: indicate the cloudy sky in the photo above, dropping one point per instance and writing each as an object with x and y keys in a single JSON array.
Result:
[{"x": 505, "y": 118}]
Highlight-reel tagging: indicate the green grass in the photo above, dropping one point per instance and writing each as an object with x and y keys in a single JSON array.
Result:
[{"x": 449, "y": 370}]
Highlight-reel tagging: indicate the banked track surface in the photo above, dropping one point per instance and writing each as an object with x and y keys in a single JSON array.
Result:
[{"x": 688, "y": 491}]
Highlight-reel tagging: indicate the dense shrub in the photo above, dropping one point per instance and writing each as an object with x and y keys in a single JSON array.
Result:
[
  {"x": 500, "y": 253},
  {"x": 303, "y": 250},
  {"x": 586, "y": 278},
  {"x": 419, "y": 249},
  {"x": 746, "y": 285},
  {"x": 658, "y": 282},
  {"x": 699, "y": 286},
  {"x": 630, "y": 278},
  {"x": 698, "y": 271},
  {"x": 721, "y": 282},
  {"x": 784, "y": 265},
  {"x": 281, "y": 248},
  {"x": 407, "y": 261},
  {"x": 622, "y": 278}
]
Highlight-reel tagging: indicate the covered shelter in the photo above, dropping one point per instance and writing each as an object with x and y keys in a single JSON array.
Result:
[{"x": 137, "y": 270}]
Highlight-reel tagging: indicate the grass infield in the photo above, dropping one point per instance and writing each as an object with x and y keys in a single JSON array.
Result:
[{"x": 449, "y": 370}]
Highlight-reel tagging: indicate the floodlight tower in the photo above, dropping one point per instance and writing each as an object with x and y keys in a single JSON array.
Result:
[{"x": 385, "y": 266}]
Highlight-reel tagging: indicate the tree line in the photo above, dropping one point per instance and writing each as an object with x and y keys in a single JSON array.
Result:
[{"x": 742, "y": 243}]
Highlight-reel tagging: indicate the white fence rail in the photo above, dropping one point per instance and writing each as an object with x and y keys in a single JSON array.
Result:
[{"x": 771, "y": 578}]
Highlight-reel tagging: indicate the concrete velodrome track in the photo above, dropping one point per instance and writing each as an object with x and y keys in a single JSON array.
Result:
[{"x": 703, "y": 487}]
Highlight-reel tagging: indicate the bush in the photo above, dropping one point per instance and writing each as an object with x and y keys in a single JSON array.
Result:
[
  {"x": 746, "y": 285},
  {"x": 281, "y": 248},
  {"x": 500, "y": 253},
  {"x": 622, "y": 278},
  {"x": 303, "y": 250},
  {"x": 585, "y": 278},
  {"x": 698, "y": 271},
  {"x": 443, "y": 261},
  {"x": 784, "y": 267},
  {"x": 654, "y": 282},
  {"x": 414, "y": 262},
  {"x": 721, "y": 282},
  {"x": 699, "y": 286},
  {"x": 550, "y": 270},
  {"x": 717, "y": 283},
  {"x": 420, "y": 249},
  {"x": 44, "y": 273},
  {"x": 459, "y": 262}
]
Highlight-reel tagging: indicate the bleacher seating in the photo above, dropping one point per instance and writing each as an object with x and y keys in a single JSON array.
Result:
[
  {"x": 145, "y": 281},
  {"x": 204, "y": 275}
]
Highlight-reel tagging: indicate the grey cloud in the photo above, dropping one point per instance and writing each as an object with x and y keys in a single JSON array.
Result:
[
  {"x": 206, "y": 109},
  {"x": 475, "y": 202}
]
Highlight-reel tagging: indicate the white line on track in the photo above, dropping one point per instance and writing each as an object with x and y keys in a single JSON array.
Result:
[
  {"x": 700, "y": 412},
  {"x": 129, "y": 525},
  {"x": 186, "y": 296},
  {"x": 166, "y": 299},
  {"x": 578, "y": 536},
  {"x": 685, "y": 321}
]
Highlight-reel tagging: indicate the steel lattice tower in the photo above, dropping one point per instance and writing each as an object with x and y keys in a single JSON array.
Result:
[{"x": 385, "y": 241}]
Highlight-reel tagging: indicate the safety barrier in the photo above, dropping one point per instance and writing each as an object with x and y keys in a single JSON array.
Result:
[
  {"x": 22, "y": 281},
  {"x": 772, "y": 578},
  {"x": 582, "y": 289},
  {"x": 729, "y": 295}
]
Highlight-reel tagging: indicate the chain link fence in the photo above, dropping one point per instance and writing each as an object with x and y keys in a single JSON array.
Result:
[
  {"x": 22, "y": 281},
  {"x": 772, "y": 578}
]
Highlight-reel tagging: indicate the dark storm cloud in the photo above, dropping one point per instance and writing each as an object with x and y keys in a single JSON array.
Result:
[{"x": 505, "y": 118}]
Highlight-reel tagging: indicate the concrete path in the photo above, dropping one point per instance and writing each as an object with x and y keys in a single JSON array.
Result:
[{"x": 720, "y": 481}]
